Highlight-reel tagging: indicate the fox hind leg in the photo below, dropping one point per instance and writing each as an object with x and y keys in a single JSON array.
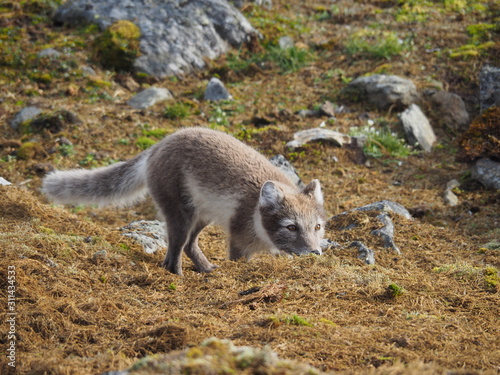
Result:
[{"x": 193, "y": 251}]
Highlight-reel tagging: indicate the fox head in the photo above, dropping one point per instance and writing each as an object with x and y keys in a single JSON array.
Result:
[{"x": 293, "y": 221}]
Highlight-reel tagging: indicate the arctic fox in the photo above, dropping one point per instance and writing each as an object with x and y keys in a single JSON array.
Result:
[{"x": 197, "y": 177}]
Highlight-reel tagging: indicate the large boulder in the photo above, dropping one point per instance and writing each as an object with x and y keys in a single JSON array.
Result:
[
  {"x": 176, "y": 36},
  {"x": 384, "y": 90}
]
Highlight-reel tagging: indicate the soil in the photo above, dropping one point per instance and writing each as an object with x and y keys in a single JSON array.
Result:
[{"x": 89, "y": 300}]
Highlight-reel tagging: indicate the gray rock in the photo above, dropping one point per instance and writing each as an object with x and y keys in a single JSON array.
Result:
[
  {"x": 386, "y": 232},
  {"x": 489, "y": 87},
  {"x": 487, "y": 172},
  {"x": 216, "y": 91},
  {"x": 418, "y": 128},
  {"x": 4, "y": 182},
  {"x": 385, "y": 90},
  {"x": 25, "y": 114},
  {"x": 150, "y": 97},
  {"x": 327, "y": 244},
  {"x": 49, "y": 52},
  {"x": 176, "y": 35},
  {"x": 327, "y": 109},
  {"x": 150, "y": 234},
  {"x": 287, "y": 167},
  {"x": 366, "y": 254},
  {"x": 88, "y": 71},
  {"x": 318, "y": 134},
  {"x": 451, "y": 109},
  {"x": 450, "y": 198},
  {"x": 385, "y": 206},
  {"x": 452, "y": 184}
]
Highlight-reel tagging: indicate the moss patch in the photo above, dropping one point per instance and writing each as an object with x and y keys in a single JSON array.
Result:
[{"x": 118, "y": 47}]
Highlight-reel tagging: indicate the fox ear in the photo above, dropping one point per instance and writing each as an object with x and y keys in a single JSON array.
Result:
[
  {"x": 270, "y": 195},
  {"x": 313, "y": 189}
]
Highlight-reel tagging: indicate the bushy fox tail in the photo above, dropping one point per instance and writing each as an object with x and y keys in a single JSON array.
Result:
[{"x": 119, "y": 184}]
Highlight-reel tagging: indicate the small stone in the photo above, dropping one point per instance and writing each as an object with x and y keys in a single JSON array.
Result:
[
  {"x": 25, "y": 114},
  {"x": 487, "y": 172},
  {"x": 327, "y": 109},
  {"x": 452, "y": 184},
  {"x": 88, "y": 71},
  {"x": 150, "y": 234},
  {"x": 318, "y": 134},
  {"x": 450, "y": 198},
  {"x": 365, "y": 254},
  {"x": 4, "y": 182},
  {"x": 418, "y": 128},
  {"x": 216, "y": 91},
  {"x": 49, "y": 52},
  {"x": 149, "y": 97}
]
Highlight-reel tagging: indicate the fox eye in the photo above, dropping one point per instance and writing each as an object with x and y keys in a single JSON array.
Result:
[
  {"x": 317, "y": 227},
  {"x": 292, "y": 228}
]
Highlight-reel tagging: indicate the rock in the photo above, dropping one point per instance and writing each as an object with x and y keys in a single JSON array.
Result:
[
  {"x": 487, "y": 172},
  {"x": 417, "y": 127},
  {"x": 216, "y": 91},
  {"x": 149, "y": 97},
  {"x": 450, "y": 198},
  {"x": 365, "y": 254},
  {"x": 287, "y": 167},
  {"x": 304, "y": 113},
  {"x": 452, "y": 184},
  {"x": 285, "y": 42},
  {"x": 49, "y": 52},
  {"x": 4, "y": 182},
  {"x": 385, "y": 206},
  {"x": 88, "y": 71},
  {"x": 176, "y": 36},
  {"x": 327, "y": 244},
  {"x": 384, "y": 90},
  {"x": 451, "y": 110},
  {"x": 327, "y": 109},
  {"x": 489, "y": 87},
  {"x": 386, "y": 232},
  {"x": 25, "y": 114},
  {"x": 150, "y": 234},
  {"x": 318, "y": 134}
]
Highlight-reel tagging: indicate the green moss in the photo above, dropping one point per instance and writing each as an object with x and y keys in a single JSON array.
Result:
[
  {"x": 491, "y": 278},
  {"x": 118, "y": 47},
  {"x": 395, "y": 290},
  {"x": 41, "y": 77},
  {"x": 177, "y": 111},
  {"x": 144, "y": 142},
  {"x": 374, "y": 43},
  {"x": 29, "y": 150},
  {"x": 156, "y": 133}
]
